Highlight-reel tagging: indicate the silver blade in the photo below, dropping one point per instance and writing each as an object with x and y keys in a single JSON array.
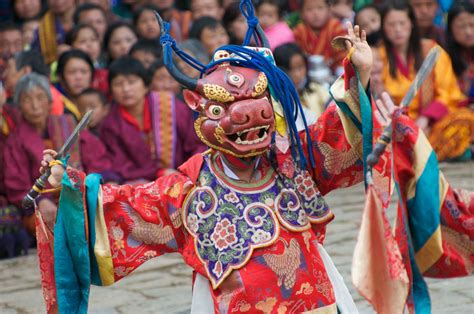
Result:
[
  {"x": 74, "y": 135},
  {"x": 423, "y": 72}
]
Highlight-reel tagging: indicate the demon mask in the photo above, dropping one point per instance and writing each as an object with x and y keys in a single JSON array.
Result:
[{"x": 235, "y": 112}]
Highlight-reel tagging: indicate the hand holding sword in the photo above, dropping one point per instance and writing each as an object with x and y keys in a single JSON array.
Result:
[{"x": 51, "y": 174}]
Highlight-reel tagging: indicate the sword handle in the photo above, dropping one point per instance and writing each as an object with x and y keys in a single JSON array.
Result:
[
  {"x": 40, "y": 184},
  {"x": 380, "y": 146}
]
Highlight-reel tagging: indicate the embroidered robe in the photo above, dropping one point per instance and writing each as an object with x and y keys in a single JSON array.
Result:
[{"x": 271, "y": 232}]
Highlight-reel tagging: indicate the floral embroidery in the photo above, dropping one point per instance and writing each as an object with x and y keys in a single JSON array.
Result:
[
  {"x": 261, "y": 236},
  {"x": 302, "y": 218},
  {"x": 227, "y": 223},
  {"x": 305, "y": 289},
  {"x": 224, "y": 234},
  {"x": 242, "y": 306},
  {"x": 217, "y": 270},
  {"x": 193, "y": 222},
  {"x": 231, "y": 197},
  {"x": 266, "y": 306}
]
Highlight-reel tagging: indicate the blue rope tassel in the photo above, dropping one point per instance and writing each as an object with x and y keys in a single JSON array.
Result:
[
  {"x": 168, "y": 42},
  {"x": 247, "y": 9}
]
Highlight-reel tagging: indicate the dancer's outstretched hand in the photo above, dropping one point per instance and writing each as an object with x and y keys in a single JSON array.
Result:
[{"x": 361, "y": 57}]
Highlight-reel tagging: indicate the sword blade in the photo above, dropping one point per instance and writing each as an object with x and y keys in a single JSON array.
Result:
[
  {"x": 420, "y": 77},
  {"x": 74, "y": 135},
  {"x": 423, "y": 72}
]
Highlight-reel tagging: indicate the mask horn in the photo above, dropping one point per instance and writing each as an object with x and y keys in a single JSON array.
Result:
[
  {"x": 180, "y": 77},
  {"x": 263, "y": 38}
]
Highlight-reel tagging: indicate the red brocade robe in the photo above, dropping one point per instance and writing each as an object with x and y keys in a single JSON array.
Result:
[{"x": 258, "y": 249}]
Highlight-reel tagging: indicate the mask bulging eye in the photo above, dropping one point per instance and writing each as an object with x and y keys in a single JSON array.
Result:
[{"x": 215, "y": 111}]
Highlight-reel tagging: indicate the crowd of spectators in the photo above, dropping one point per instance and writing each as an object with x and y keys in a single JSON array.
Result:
[{"x": 60, "y": 58}]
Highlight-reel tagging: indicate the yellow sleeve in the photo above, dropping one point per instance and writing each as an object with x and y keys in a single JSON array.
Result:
[{"x": 446, "y": 88}]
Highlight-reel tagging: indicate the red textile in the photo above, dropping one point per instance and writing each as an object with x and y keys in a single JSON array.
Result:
[{"x": 319, "y": 43}]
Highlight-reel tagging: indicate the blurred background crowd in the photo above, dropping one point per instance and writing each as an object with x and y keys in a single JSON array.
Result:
[{"x": 60, "y": 58}]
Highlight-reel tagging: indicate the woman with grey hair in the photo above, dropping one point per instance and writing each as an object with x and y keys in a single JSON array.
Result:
[{"x": 38, "y": 131}]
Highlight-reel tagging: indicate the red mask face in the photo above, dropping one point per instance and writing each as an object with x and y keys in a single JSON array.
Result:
[{"x": 236, "y": 115}]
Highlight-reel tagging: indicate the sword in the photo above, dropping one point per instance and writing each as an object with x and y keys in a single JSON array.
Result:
[
  {"x": 386, "y": 137},
  {"x": 40, "y": 183}
]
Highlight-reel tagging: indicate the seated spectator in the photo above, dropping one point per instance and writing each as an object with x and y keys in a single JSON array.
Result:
[
  {"x": 119, "y": 38},
  {"x": 24, "y": 10},
  {"x": 156, "y": 125},
  {"x": 93, "y": 15},
  {"x": 124, "y": 9},
  {"x": 194, "y": 48},
  {"x": 14, "y": 239},
  {"x": 180, "y": 21},
  {"x": 210, "y": 32},
  {"x": 342, "y": 10},
  {"x": 438, "y": 100},
  {"x": 317, "y": 29},
  {"x": 161, "y": 80},
  {"x": 460, "y": 45},
  {"x": 276, "y": 30},
  {"x": 75, "y": 73},
  {"x": 425, "y": 13},
  {"x": 147, "y": 51},
  {"x": 145, "y": 23},
  {"x": 36, "y": 132},
  {"x": 212, "y": 8},
  {"x": 93, "y": 99},
  {"x": 51, "y": 34},
  {"x": 235, "y": 23},
  {"x": 314, "y": 97},
  {"x": 369, "y": 20},
  {"x": 28, "y": 29},
  {"x": 106, "y": 6},
  {"x": 84, "y": 37},
  {"x": 27, "y": 62},
  {"x": 11, "y": 42}
]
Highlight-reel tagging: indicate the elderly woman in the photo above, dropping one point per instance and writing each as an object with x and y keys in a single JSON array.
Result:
[{"x": 37, "y": 131}]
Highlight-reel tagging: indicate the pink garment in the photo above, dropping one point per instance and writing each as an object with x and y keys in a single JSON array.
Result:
[{"x": 279, "y": 34}]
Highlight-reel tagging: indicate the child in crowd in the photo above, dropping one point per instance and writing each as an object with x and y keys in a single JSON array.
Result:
[
  {"x": 28, "y": 28},
  {"x": 276, "y": 30},
  {"x": 235, "y": 23},
  {"x": 342, "y": 10},
  {"x": 212, "y": 8},
  {"x": 210, "y": 32},
  {"x": 93, "y": 99},
  {"x": 118, "y": 39},
  {"x": 144, "y": 20},
  {"x": 316, "y": 31},
  {"x": 93, "y": 15},
  {"x": 147, "y": 51},
  {"x": 369, "y": 20},
  {"x": 161, "y": 80},
  {"x": 84, "y": 37},
  {"x": 194, "y": 48},
  {"x": 314, "y": 97}
]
